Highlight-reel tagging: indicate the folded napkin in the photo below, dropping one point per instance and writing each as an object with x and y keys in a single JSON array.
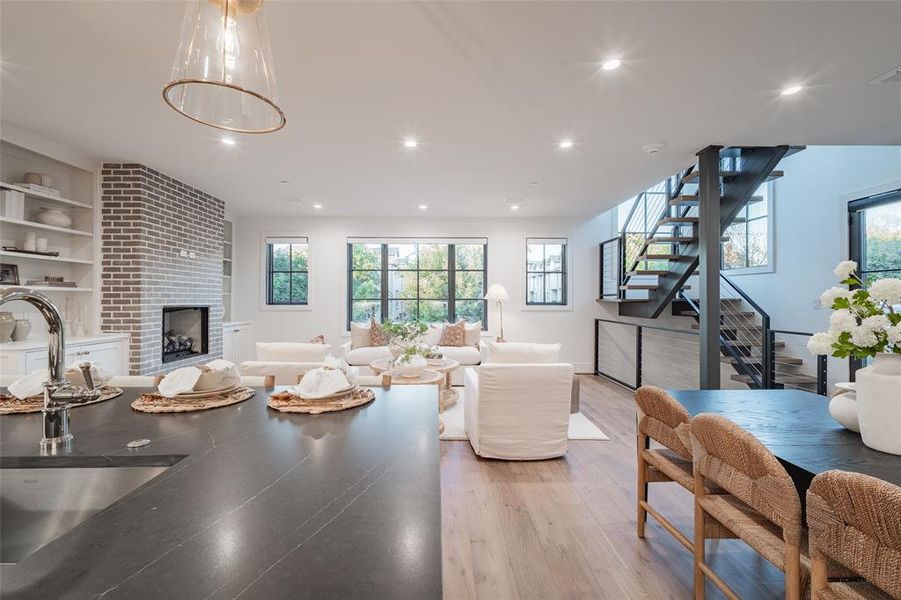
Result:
[
  {"x": 321, "y": 382},
  {"x": 214, "y": 375},
  {"x": 98, "y": 373},
  {"x": 28, "y": 385},
  {"x": 339, "y": 364}
]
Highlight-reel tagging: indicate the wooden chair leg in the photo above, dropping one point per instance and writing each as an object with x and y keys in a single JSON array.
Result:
[
  {"x": 158, "y": 379},
  {"x": 642, "y": 491},
  {"x": 792, "y": 572},
  {"x": 269, "y": 381},
  {"x": 817, "y": 574},
  {"x": 699, "y": 538}
]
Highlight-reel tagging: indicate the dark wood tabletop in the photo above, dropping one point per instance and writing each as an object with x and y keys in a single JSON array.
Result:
[{"x": 795, "y": 426}]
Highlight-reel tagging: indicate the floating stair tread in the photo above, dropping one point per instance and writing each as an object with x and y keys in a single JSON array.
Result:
[
  {"x": 670, "y": 239},
  {"x": 794, "y": 379},
  {"x": 621, "y": 300},
  {"x": 789, "y": 360},
  {"x": 668, "y": 220},
  {"x": 640, "y": 272},
  {"x": 750, "y": 343},
  {"x": 691, "y": 177},
  {"x": 692, "y": 200},
  {"x": 659, "y": 257}
]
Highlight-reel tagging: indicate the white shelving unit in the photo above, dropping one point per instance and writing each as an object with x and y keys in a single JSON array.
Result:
[{"x": 77, "y": 244}]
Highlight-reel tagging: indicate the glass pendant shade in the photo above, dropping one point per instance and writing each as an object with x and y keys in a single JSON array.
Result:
[{"x": 223, "y": 75}]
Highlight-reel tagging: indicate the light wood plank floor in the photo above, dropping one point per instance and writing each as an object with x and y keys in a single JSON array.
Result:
[{"x": 565, "y": 528}]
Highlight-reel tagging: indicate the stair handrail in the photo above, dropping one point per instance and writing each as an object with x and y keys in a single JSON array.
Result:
[{"x": 767, "y": 346}]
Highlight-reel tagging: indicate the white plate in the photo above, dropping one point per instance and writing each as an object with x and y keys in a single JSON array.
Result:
[
  {"x": 846, "y": 385},
  {"x": 342, "y": 392},
  {"x": 205, "y": 393}
]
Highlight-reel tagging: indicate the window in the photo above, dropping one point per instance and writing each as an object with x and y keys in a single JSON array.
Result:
[
  {"x": 287, "y": 271},
  {"x": 545, "y": 272},
  {"x": 749, "y": 236},
  {"x": 427, "y": 280}
]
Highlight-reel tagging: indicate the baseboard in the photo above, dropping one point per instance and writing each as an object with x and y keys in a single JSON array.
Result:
[{"x": 583, "y": 368}]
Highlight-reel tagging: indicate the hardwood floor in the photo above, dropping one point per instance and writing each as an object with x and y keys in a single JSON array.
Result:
[{"x": 565, "y": 528}]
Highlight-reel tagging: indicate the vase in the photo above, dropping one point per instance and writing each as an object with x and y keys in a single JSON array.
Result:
[
  {"x": 54, "y": 216},
  {"x": 879, "y": 403},
  {"x": 22, "y": 329},
  {"x": 410, "y": 368},
  {"x": 843, "y": 409},
  {"x": 7, "y": 324}
]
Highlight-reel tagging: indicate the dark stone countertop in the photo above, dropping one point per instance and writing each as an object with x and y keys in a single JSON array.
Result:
[{"x": 264, "y": 504}]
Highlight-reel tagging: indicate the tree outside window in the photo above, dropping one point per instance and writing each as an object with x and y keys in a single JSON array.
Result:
[
  {"x": 287, "y": 271},
  {"x": 419, "y": 280},
  {"x": 747, "y": 245}
]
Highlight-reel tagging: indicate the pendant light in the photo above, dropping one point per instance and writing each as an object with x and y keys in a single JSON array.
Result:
[{"x": 223, "y": 75}]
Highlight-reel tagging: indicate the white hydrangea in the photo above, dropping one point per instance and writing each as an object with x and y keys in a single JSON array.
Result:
[
  {"x": 833, "y": 293},
  {"x": 821, "y": 343},
  {"x": 842, "y": 320},
  {"x": 875, "y": 323},
  {"x": 863, "y": 337},
  {"x": 886, "y": 289},
  {"x": 894, "y": 333},
  {"x": 844, "y": 269}
]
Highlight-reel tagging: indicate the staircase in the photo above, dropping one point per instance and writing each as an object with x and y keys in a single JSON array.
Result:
[{"x": 657, "y": 253}]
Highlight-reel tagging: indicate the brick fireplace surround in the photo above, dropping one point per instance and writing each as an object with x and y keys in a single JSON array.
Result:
[{"x": 147, "y": 220}]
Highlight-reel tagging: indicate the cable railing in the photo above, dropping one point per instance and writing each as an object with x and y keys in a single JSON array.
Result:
[{"x": 788, "y": 371}]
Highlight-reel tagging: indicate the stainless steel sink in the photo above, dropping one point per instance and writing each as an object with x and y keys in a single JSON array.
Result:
[{"x": 39, "y": 504}]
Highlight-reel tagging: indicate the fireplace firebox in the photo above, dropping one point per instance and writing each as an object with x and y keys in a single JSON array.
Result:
[{"x": 185, "y": 332}]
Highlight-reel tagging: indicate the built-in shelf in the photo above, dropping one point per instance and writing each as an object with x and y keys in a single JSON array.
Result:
[
  {"x": 51, "y": 288},
  {"x": 36, "y": 225},
  {"x": 44, "y": 196},
  {"x": 61, "y": 259}
]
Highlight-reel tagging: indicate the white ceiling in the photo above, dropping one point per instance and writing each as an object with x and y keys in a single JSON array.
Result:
[{"x": 488, "y": 88}]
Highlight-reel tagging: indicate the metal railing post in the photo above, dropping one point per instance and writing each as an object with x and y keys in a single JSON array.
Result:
[
  {"x": 769, "y": 355},
  {"x": 822, "y": 362}
]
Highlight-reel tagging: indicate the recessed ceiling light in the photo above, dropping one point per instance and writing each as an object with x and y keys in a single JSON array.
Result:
[
  {"x": 791, "y": 90},
  {"x": 228, "y": 141},
  {"x": 514, "y": 206},
  {"x": 565, "y": 144},
  {"x": 317, "y": 206},
  {"x": 410, "y": 143},
  {"x": 610, "y": 65},
  {"x": 286, "y": 181},
  {"x": 422, "y": 207}
]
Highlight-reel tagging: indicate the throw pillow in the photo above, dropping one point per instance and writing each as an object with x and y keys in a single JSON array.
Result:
[
  {"x": 359, "y": 336},
  {"x": 473, "y": 334},
  {"x": 376, "y": 334},
  {"x": 453, "y": 335},
  {"x": 522, "y": 353},
  {"x": 319, "y": 339}
]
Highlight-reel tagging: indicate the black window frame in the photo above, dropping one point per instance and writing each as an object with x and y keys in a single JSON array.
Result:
[
  {"x": 563, "y": 272},
  {"x": 270, "y": 271},
  {"x": 451, "y": 271},
  {"x": 857, "y": 227},
  {"x": 745, "y": 211}
]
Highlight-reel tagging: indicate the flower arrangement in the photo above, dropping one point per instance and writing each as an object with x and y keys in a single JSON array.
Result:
[
  {"x": 403, "y": 339},
  {"x": 864, "y": 323}
]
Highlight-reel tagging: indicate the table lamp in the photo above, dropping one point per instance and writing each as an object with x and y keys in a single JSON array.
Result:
[{"x": 498, "y": 293}]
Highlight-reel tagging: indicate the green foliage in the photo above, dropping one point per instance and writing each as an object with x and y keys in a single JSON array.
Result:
[
  {"x": 403, "y": 333},
  {"x": 289, "y": 280}
]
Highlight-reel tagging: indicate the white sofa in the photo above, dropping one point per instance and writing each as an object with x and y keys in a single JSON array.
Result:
[
  {"x": 518, "y": 411},
  {"x": 467, "y": 356},
  {"x": 287, "y": 361}
]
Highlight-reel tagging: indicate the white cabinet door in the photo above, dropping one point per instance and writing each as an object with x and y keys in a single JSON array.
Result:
[
  {"x": 110, "y": 355},
  {"x": 244, "y": 347}
]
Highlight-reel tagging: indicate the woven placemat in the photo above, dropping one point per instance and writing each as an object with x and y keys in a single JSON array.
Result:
[
  {"x": 157, "y": 403},
  {"x": 288, "y": 402},
  {"x": 10, "y": 405}
]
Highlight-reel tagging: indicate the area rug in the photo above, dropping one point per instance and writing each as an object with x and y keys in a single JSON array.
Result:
[{"x": 580, "y": 427}]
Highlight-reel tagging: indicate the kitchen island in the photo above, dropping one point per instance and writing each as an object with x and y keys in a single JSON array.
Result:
[{"x": 255, "y": 504}]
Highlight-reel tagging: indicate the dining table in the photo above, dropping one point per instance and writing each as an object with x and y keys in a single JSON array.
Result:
[{"x": 797, "y": 428}]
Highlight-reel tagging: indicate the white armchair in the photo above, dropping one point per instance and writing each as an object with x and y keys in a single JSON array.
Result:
[
  {"x": 518, "y": 411},
  {"x": 286, "y": 361}
]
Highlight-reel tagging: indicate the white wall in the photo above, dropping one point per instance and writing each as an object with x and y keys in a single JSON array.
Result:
[{"x": 506, "y": 265}]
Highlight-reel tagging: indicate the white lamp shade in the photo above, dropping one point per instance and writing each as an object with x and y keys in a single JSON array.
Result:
[
  {"x": 222, "y": 74},
  {"x": 497, "y": 292}
]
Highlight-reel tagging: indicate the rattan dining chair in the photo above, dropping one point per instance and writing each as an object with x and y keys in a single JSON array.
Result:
[
  {"x": 855, "y": 522},
  {"x": 662, "y": 419},
  {"x": 762, "y": 507}
]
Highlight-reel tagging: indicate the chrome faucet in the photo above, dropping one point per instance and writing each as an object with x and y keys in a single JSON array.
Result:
[{"x": 59, "y": 394}]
